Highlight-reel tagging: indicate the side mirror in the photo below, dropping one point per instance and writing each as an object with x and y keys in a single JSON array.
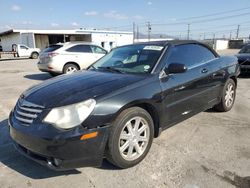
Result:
[{"x": 174, "y": 68}]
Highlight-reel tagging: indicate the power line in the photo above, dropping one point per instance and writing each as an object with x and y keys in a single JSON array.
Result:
[
  {"x": 206, "y": 20},
  {"x": 205, "y": 29},
  {"x": 216, "y": 14},
  {"x": 194, "y": 17}
]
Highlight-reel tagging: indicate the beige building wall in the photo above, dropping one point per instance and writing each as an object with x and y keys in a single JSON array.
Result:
[{"x": 41, "y": 41}]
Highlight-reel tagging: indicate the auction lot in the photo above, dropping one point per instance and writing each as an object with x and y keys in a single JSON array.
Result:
[{"x": 210, "y": 149}]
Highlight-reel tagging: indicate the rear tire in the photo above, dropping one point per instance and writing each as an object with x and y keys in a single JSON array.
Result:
[
  {"x": 130, "y": 138},
  {"x": 34, "y": 55},
  {"x": 228, "y": 97},
  {"x": 70, "y": 68}
]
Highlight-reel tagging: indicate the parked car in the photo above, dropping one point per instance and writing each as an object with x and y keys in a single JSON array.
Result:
[
  {"x": 123, "y": 101},
  {"x": 244, "y": 58},
  {"x": 69, "y": 57},
  {"x": 21, "y": 50}
]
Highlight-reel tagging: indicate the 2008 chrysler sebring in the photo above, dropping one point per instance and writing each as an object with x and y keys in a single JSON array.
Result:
[{"x": 124, "y": 100}]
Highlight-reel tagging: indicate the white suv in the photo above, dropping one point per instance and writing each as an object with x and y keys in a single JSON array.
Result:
[{"x": 69, "y": 57}]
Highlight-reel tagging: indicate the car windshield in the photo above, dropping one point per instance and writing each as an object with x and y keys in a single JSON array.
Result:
[
  {"x": 245, "y": 49},
  {"x": 139, "y": 58}
]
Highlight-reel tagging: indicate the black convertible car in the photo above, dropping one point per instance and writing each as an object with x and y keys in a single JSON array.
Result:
[
  {"x": 244, "y": 58},
  {"x": 123, "y": 101}
]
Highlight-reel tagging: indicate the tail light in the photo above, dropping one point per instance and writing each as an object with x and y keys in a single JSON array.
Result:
[{"x": 52, "y": 54}]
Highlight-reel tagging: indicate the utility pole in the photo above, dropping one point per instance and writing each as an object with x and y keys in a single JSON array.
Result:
[
  {"x": 214, "y": 44},
  {"x": 188, "y": 31},
  {"x": 137, "y": 33},
  {"x": 230, "y": 36},
  {"x": 204, "y": 36},
  {"x": 238, "y": 31},
  {"x": 200, "y": 37},
  {"x": 149, "y": 29},
  {"x": 133, "y": 32}
]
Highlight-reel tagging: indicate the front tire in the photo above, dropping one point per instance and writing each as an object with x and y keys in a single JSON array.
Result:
[
  {"x": 130, "y": 138},
  {"x": 34, "y": 55},
  {"x": 228, "y": 97}
]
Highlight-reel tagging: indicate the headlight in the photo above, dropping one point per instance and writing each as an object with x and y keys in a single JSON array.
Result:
[{"x": 70, "y": 116}]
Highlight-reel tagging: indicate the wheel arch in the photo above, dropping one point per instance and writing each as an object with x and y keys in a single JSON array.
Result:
[
  {"x": 234, "y": 78},
  {"x": 151, "y": 109}
]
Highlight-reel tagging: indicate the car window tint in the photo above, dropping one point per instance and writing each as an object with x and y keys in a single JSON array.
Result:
[
  {"x": 190, "y": 55},
  {"x": 97, "y": 50},
  {"x": 52, "y": 48},
  {"x": 131, "y": 59},
  {"x": 80, "y": 48},
  {"x": 23, "y": 47}
]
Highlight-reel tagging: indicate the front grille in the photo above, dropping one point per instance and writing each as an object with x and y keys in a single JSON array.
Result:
[{"x": 27, "y": 112}]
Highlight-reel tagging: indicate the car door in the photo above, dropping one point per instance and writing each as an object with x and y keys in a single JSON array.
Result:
[
  {"x": 185, "y": 94},
  {"x": 87, "y": 57},
  {"x": 23, "y": 51},
  {"x": 81, "y": 54},
  {"x": 216, "y": 78}
]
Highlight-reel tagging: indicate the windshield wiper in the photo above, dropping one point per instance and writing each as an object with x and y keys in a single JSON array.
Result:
[
  {"x": 92, "y": 66},
  {"x": 111, "y": 69}
]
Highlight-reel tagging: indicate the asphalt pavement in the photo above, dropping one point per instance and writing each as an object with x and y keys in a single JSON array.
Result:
[{"x": 209, "y": 150}]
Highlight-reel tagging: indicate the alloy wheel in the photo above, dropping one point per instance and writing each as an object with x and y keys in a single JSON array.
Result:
[
  {"x": 134, "y": 138},
  {"x": 229, "y": 95},
  {"x": 71, "y": 70}
]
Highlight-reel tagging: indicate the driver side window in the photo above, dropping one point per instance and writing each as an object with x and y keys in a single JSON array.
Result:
[
  {"x": 191, "y": 55},
  {"x": 24, "y": 47}
]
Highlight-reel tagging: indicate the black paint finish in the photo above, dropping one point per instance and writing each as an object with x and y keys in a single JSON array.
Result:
[{"x": 169, "y": 98}]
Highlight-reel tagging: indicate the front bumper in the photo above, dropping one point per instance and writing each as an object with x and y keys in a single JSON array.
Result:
[{"x": 59, "y": 151}]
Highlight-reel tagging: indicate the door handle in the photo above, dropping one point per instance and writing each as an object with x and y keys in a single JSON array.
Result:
[
  {"x": 220, "y": 74},
  {"x": 204, "y": 70}
]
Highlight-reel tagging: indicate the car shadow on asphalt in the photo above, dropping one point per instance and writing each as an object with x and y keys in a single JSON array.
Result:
[
  {"x": 108, "y": 166},
  {"x": 211, "y": 110},
  {"x": 13, "y": 59},
  {"x": 10, "y": 158},
  {"x": 40, "y": 76}
]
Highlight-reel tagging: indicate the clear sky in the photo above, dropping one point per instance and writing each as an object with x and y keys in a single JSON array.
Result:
[{"x": 219, "y": 17}]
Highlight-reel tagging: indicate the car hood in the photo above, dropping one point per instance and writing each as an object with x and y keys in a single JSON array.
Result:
[{"x": 69, "y": 89}]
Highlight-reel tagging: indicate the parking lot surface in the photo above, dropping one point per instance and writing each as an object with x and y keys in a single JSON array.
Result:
[{"x": 210, "y": 149}]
